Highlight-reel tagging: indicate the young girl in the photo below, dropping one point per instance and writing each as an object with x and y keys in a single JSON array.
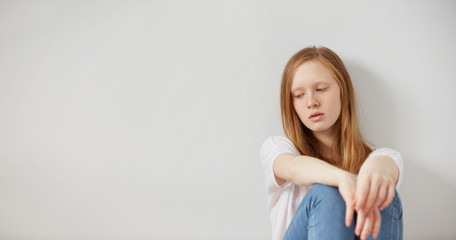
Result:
[{"x": 323, "y": 181}]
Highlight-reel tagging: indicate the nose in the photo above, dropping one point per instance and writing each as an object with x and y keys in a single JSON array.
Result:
[{"x": 312, "y": 102}]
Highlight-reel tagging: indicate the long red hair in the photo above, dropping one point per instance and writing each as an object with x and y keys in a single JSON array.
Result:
[{"x": 349, "y": 149}]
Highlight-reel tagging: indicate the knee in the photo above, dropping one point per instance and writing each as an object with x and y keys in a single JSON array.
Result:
[
  {"x": 324, "y": 190},
  {"x": 326, "y": 195},
  {"x": 323, "y": 204}
]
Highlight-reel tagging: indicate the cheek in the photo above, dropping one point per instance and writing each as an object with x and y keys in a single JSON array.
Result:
[
  {"x": 300, "y": 109},
  {"x": 336, "y": 100},
  {"x": 338, "y": 105}
]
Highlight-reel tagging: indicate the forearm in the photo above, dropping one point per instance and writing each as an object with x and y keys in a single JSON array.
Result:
[{"x": 304, "y": 170}]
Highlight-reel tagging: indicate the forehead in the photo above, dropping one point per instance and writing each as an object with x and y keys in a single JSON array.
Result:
[{"x": 311, "y": 73}]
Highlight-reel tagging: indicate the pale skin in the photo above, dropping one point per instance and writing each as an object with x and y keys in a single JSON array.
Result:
[{"x": 315, "y": 91}]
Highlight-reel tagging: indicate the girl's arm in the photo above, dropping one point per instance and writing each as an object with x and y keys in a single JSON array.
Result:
[
  {"x": 305, "y": 170},
  {"x": 377, "y": 173}
]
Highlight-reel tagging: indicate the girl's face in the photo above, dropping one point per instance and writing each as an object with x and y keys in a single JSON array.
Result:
[{"x": 316, "y": 97}]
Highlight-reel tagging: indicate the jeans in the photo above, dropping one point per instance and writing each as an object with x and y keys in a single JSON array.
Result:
[{"x": 321, "y": 215}]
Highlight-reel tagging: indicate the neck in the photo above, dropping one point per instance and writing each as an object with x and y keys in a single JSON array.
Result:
[{"x": 326, "y": 141}]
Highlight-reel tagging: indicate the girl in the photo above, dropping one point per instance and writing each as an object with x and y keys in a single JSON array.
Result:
[{"x": 323, "y": 181}]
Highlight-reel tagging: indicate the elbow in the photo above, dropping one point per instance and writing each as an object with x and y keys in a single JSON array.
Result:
[
  {"x": 292, "y": 174},
  {"x": 295, "y": 175}
]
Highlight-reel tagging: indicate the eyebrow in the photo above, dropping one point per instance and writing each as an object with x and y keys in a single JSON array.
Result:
[{"x": 296, "y": 89}]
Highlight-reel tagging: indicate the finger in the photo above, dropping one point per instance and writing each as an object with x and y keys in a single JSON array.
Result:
[
  {"x": 389, "y": 198},
  {"x": 349, "y": 211},
  {"x": 377, "y": 223},
  {"x": 367, "y": 228},
  {"x": 381, "y": 196},
  {"x": 362, "y": 189},
  {"x": 361, "y": 218},
  {"x": 371, "y": 197}
]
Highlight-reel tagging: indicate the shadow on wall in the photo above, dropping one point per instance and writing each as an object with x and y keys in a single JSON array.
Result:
[
  {"x": 376, "y": 107},
  {"x": 428, "y": 199}
]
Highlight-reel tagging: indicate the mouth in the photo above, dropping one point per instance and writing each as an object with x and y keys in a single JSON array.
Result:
[{"x": 316, "y": 116}]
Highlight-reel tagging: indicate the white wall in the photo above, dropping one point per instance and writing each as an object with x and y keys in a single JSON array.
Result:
[{"x": 123, "y": 120}]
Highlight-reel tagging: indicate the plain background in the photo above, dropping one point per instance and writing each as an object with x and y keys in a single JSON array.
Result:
[{"x": 143, "y": 120}]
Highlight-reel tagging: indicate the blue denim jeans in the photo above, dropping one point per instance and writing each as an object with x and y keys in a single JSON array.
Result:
[{"x": 321, "y": 215}]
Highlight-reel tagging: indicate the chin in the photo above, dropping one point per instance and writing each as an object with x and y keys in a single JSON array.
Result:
[{"x": 319, "y": 129}]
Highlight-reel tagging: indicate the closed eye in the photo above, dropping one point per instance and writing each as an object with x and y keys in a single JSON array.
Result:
[{"x": 300, "y": 95}]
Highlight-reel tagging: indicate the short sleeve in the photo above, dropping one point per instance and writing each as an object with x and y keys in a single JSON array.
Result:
[
  {"x": 396, "y": 156},
  {"x": 271, "y": 148}
]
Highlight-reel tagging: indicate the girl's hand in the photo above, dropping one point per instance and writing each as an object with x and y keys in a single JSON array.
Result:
[
  {"x": 374, "y": 192},
  {"x": 375, "y": 187},
  {"x": 365, "y": 223},
  {"x": 347, "y": 189}
]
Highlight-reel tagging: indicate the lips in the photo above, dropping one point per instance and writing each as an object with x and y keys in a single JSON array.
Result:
[{"x": 316, "y": 116}]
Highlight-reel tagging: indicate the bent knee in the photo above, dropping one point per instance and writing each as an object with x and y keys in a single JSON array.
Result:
[
  {"x": 326, "y": 190},
  {"x": 327, "y": 195}
]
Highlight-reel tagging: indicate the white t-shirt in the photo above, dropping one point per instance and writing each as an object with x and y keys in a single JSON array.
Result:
[{"x": 284, "y": 200}]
